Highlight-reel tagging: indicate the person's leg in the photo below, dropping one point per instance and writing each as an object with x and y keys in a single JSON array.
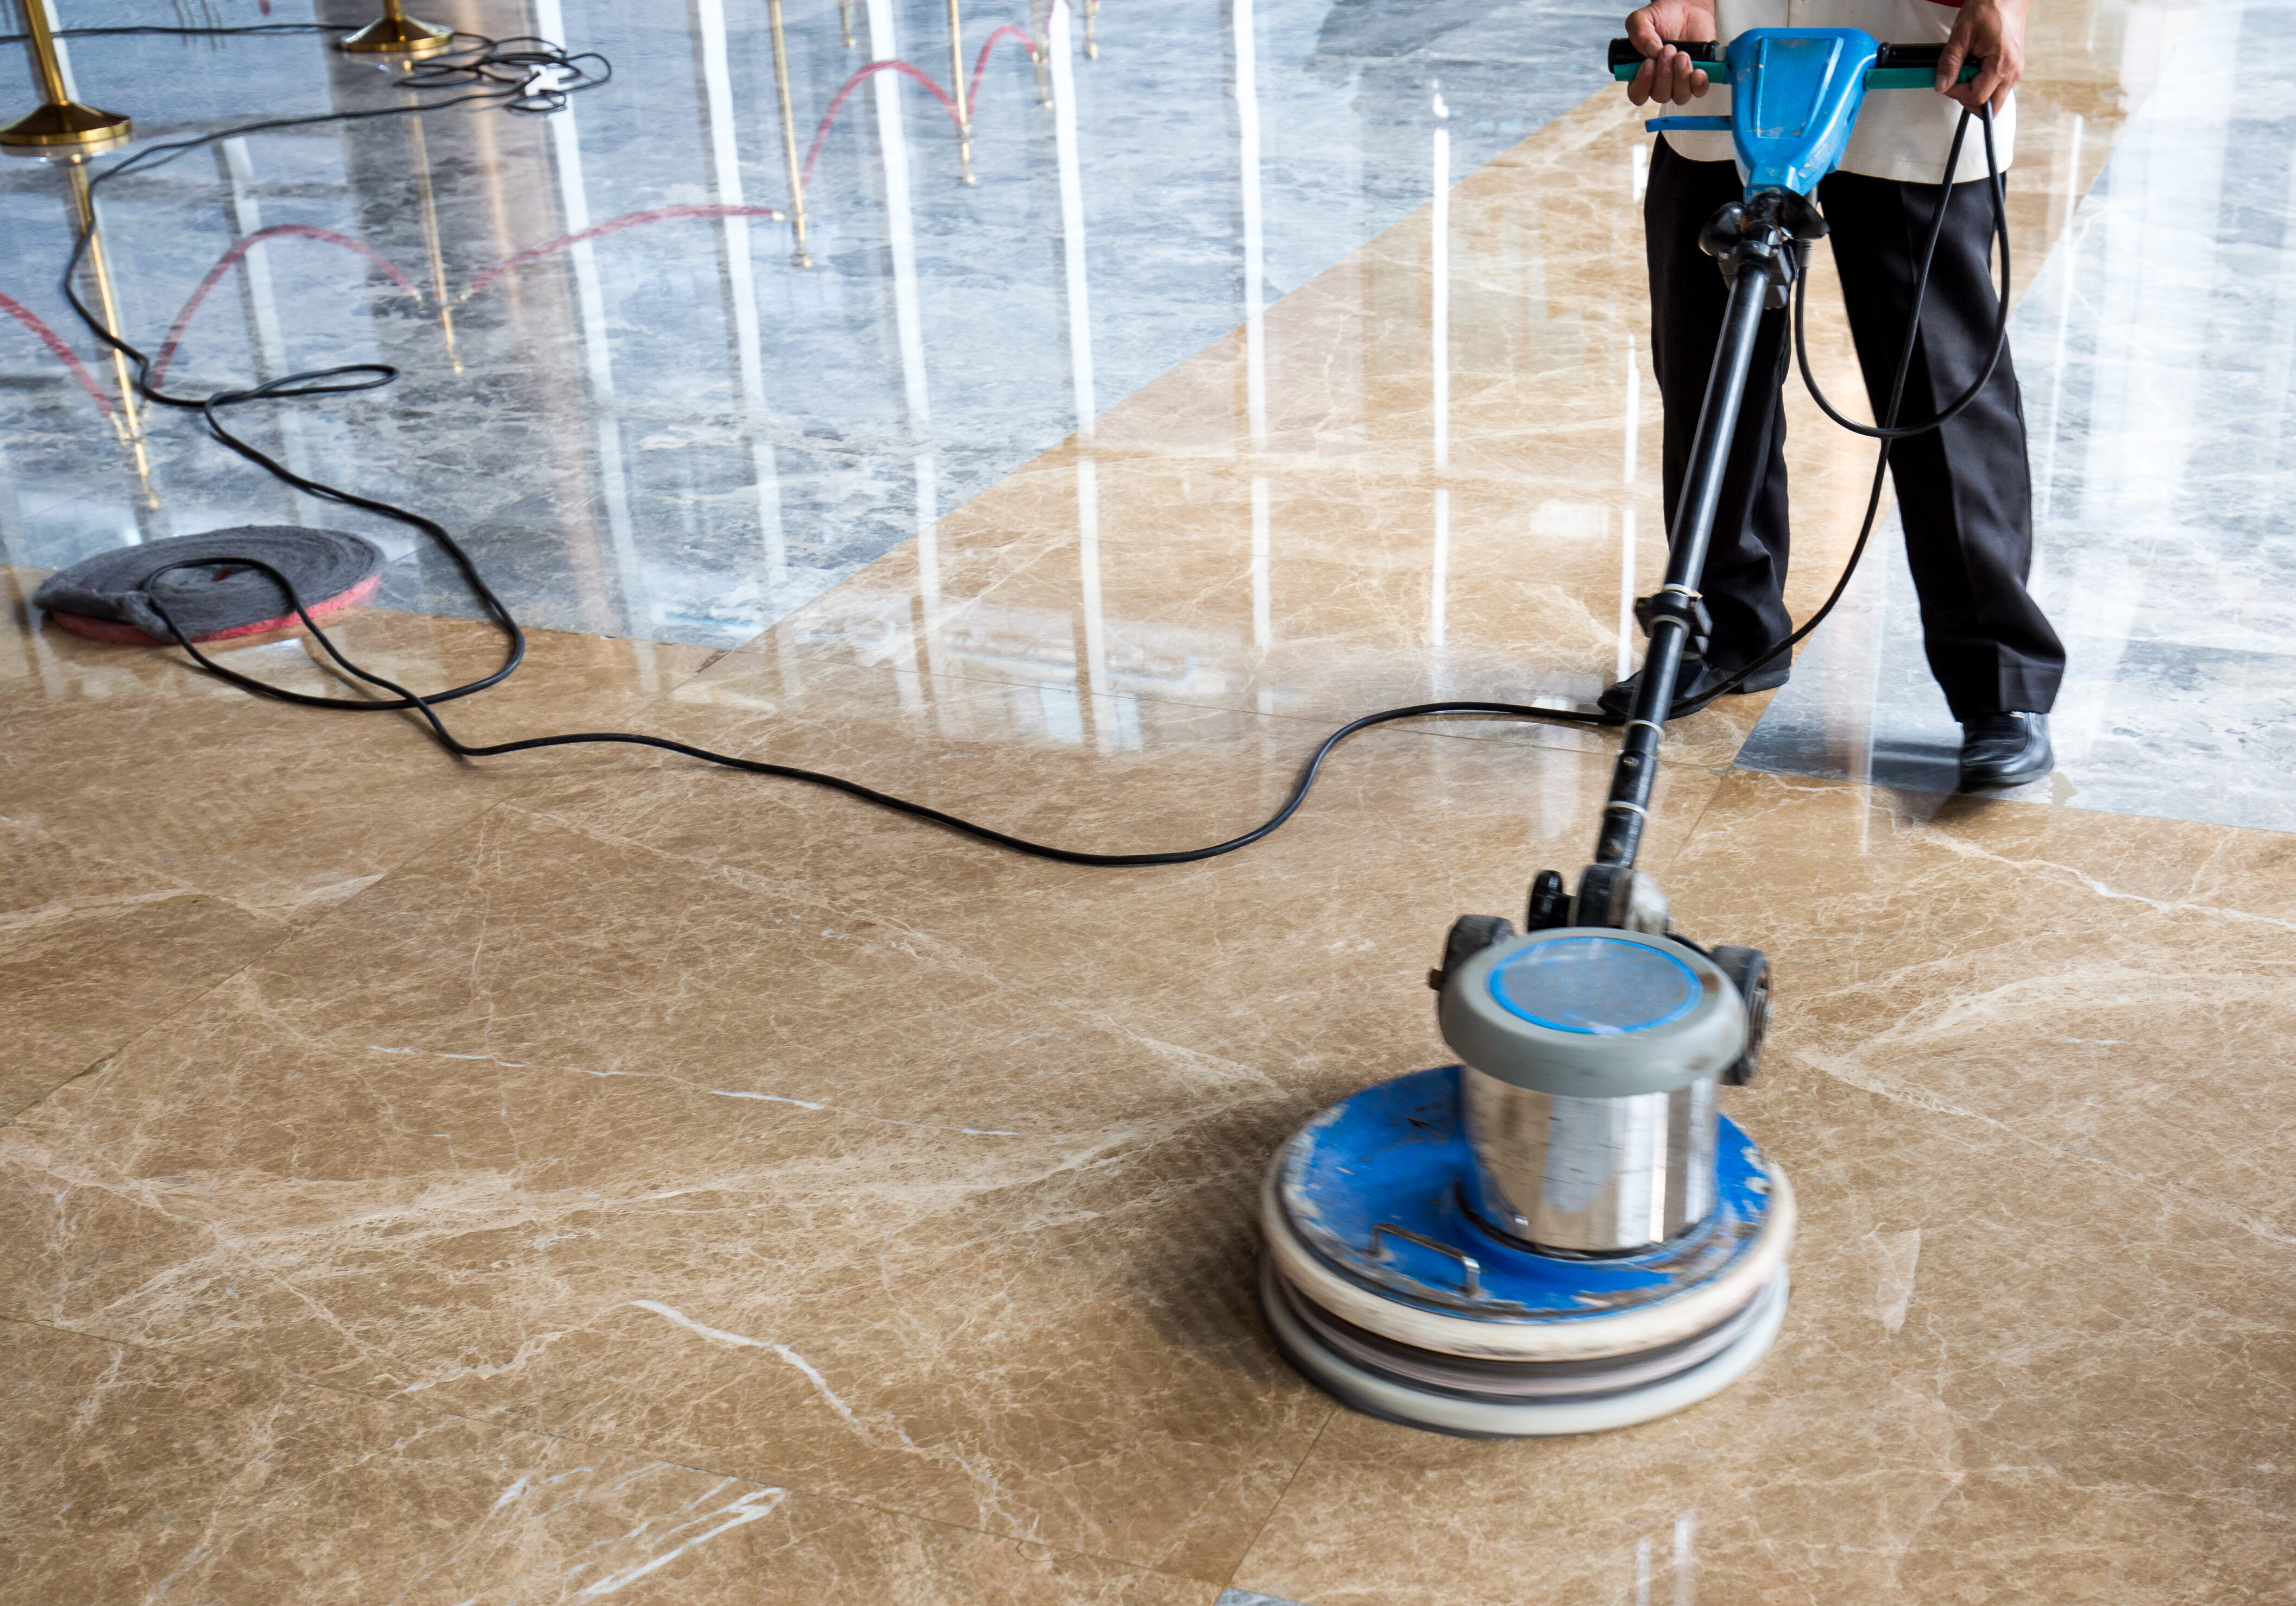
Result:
[
  {"x": 1964, "y": 491},
  {"x": 1745, "y": 571}
]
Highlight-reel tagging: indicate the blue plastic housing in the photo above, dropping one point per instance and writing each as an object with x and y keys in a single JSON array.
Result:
[{"x": 1794, "y": 95}]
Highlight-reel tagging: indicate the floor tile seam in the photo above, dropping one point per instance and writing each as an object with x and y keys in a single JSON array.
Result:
[
  {"x": 291, "y": 931},
  {"x": 1720, "y": 773},
  {"x": 1717, "y": 771},
  {"x": 287, "y": 933},
  {"x": 2098, "y": 819},
  {"x": 1276, "y": 1507},
  {"x": 1128, "y": 1134},
  {"x": 476, "y": 820},
  {"x": 293, "y": 1380},
  {"x": 1324, "y": 723},
  {"x": 2215, "y": 1210}
]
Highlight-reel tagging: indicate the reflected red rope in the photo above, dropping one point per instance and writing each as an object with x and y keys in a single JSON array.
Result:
[
  {"x": 980, "y": 64},
  {"x": 71, "y": 359},
  {"x": 240, "y": 248},
  {"x": 973, "y": 94},
  {"x": 853, "y": 83},
  {"x": 660, "y": 214}
]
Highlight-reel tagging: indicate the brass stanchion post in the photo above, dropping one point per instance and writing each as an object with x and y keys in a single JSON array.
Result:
[
  {"x": 395, "y": 33},
  {"x": 1041, "y": 36},
  {"x": 845, "y": 21},
  {"x": 130, "y": 420},
  {"x": 428, "y": 203},
  {"x": 957, "y": 94},
  {"x": 1091, "y": 37},
  {"x": 61, "y": 123},
  {"x": 798, "y": 254}
]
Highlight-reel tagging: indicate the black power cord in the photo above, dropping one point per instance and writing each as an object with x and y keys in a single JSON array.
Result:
[{"x": 528, "y": 80}]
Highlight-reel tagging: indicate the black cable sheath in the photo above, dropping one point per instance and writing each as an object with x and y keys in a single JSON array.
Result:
[
  {"x": 404, "y": 699},
  {"x": 483, "y": 65}
]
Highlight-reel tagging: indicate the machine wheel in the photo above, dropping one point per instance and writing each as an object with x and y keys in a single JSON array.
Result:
[
  {"x": 1469, "y": 935},
  {"x": 1602, "y": 895},
  {"x": 1748, "y": 970},
  {"x": 1550, "y": 902}
]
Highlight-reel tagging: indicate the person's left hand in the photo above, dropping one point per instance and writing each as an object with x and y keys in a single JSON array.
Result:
[{"x": 1994, "y": 32}]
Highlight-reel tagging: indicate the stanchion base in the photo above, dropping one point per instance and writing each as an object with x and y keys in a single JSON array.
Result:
[
  {"x": 399, "y": 36},
  {"x": 65, "y": 125}
]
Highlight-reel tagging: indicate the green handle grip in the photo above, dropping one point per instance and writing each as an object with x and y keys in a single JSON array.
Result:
[{"x": 1876, "y": 78}]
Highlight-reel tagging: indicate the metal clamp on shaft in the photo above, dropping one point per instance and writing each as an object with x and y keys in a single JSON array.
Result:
[
  {"x": 1687, "y": 607},
  {"x": 1772, "y": 229}
]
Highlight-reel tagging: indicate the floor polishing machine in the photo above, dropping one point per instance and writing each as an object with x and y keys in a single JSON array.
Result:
[{"x": 1563, "y": 1233}]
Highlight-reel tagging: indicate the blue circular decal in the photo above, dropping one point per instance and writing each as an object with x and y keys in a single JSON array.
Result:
[{"x": 1603, "y": 986}]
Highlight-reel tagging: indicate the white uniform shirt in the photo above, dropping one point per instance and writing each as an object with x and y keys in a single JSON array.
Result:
[{"x": 1901, "y": 134}]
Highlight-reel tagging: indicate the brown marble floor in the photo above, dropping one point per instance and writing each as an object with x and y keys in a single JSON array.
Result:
[{"x": 590, "y": 1173}]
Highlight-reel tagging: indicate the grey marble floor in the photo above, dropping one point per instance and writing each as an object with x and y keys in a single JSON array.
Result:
[
  {"x": 2157, "y": 353},
  {"x": 670, "y": 431}
]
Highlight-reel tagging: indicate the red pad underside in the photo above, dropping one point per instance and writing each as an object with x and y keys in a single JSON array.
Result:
[{"x": 128, "y": 634}]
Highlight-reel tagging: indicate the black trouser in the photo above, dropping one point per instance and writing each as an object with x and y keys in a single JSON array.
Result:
[{"x": 1964, "y": 491}]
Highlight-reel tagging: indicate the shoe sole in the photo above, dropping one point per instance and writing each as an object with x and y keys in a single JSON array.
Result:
[
  {"x": 1769, "y": 680},
  {"x": 2024, "y": 777}
]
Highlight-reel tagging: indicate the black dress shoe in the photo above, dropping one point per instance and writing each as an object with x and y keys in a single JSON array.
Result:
[
  {"x": 1618, "y": 698},
  {"x": 2004, "y": 750}
]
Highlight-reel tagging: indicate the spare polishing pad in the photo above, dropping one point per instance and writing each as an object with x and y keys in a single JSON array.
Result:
[{"x": 110, "y": 596}]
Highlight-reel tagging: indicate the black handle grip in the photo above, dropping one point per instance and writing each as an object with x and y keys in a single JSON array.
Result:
[
  {"x": 1623, "y": 53},
  {"x": 1909, "y": 55}
]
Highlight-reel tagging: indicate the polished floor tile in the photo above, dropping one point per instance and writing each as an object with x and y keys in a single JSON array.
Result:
[
  {"x": 587, "y": 1173},
  {"x": 153, "y": 1476},
  {"x": 707, "y": 1117},
  {"x": 131, "y": 756}
]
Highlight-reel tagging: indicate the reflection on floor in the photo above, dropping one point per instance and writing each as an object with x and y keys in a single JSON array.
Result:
[
  {"x": 644, "y": 417},
  {"x": 589, "y": 1176},
  {"x": 2156, "y": 355}
]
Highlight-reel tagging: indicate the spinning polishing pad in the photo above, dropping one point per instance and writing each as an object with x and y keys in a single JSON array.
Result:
[{"x": 110, "y": 596}]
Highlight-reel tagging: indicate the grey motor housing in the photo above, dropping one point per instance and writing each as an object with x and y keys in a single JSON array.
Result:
[{"x": 1590, "y": 1058}]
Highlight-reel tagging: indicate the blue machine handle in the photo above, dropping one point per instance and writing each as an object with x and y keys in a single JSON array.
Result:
[
  {"x": 1896, "y": 67},
  {"x": 1794, "y": 95}
]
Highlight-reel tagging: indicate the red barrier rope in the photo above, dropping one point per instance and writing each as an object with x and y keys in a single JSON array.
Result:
[
  {"x": 71, "y": 359},
  {"x": 660, "y": 214},
  {"x": 853, "y": 83},
  {"x": 980, "y": 64},
  {"x": 240, "y": 248}
]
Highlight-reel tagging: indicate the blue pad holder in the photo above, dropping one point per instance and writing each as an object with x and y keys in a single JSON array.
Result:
[{"x": 1396, "y": 1156}]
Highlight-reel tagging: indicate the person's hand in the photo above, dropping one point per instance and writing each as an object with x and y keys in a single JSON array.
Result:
[
  {"x": 1668, "y": 74},
  {"x": 1993, "y": 31}
]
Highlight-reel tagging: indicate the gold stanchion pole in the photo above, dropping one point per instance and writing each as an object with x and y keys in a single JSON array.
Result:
[
  {"x": 421, "y": 153},
  {"x": 1040, "y": 32},
  {"x": 799, "y": 255},
  {"x": 61, "y": 123},
  {"x": 1091, "y": 38},
  {"x": 129, "y": 422},
  {"x": 957, "y": 94},
  {"x": 845, "y": 21},
  {"x": 395, "y": 33}
]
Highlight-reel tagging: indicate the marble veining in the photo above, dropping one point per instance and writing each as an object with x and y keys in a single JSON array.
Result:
[{"x": 585, "y": 1176}]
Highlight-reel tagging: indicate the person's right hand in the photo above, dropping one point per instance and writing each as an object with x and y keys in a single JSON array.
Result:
[{"x": 1668, "y": 74}]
